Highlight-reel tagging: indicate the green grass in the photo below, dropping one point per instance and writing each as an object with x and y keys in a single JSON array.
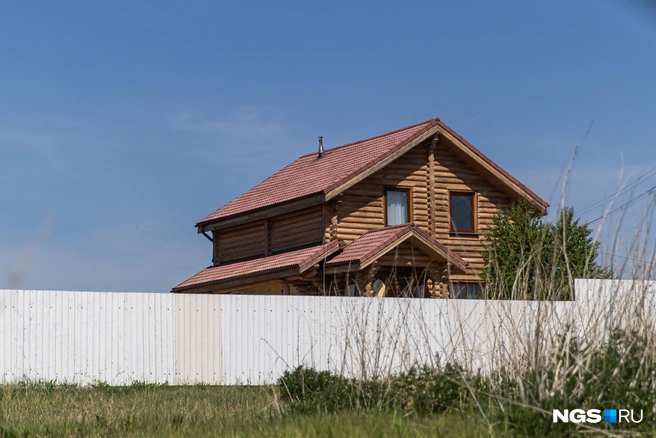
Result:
[{"x": 36, "y": 410}]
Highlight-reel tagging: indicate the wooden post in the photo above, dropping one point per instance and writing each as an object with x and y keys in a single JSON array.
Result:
[
  {"x": 334, "y": 221},
  {"x": 444, "y": 281},
  {"x": 340, "y": 284},
  {"x": 430, "y": 285},
  {"x": 433, "y": 284},
  {"x": 371, "y": 274},
  {"x": 360, "y": 283},
  {"x": 216, "y": 254},
  {"x": 267, "y": 238},
  {"x": 431, "y": 187}
]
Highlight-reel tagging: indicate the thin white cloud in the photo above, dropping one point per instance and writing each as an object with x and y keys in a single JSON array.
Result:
[
  {"x": 44, "y": 146},
  {"x": 244, "y": 123}
]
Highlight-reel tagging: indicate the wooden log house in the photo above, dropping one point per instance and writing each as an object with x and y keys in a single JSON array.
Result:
[{"x": 402, "y": 213}]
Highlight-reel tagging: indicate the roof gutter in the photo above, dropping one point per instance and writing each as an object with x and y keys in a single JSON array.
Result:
[{"x": 270, "y": 274}]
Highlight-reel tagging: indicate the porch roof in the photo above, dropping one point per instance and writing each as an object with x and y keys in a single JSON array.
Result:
[
  {"x": 373, "y": 244},
  {"x": 296, "y": 262}
]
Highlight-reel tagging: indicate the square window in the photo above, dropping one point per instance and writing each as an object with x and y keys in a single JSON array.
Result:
[
  {"x": 397, "y": 207},
  {"x": 462, "y": 213}
]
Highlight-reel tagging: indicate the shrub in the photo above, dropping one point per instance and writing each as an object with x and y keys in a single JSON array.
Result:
[
  {"x": 619, "y": 373},
  {"x": 308, "y": 391},
  {"x": 421, "y": 390},
  {"x": 431, "y": 390}
]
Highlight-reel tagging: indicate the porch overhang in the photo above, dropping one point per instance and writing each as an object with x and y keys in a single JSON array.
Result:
[{"x": 372, "y": 246}]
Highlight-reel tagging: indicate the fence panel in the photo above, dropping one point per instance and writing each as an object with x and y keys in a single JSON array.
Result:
[{"x": 120, "y": 338}]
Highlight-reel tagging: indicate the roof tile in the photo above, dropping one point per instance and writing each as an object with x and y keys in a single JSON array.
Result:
[
  {"x": 297, "y": 258},
  {"x": 310, "y": 175},
  {"x": 367, "y": 245}
]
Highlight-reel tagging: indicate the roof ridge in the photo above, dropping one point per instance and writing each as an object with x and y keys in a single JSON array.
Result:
[{"x": 434, "y": 119}]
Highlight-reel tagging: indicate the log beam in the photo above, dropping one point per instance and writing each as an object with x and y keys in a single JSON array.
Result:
[{"x": 430, "y": 184}]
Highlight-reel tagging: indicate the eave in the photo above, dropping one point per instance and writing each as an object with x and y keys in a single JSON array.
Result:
[
  {"x": 221, "y": 277},
  {"x": 261, "y": 213}
]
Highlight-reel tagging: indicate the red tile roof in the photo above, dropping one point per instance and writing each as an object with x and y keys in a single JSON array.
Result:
[
  {"x": 298, "y": 258},
  {"x": 309, "y": 175},
  {"x": 370, "y": 243}
]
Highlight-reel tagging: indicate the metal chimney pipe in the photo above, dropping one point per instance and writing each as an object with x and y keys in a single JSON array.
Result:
[{"x": 321, "y": 152}]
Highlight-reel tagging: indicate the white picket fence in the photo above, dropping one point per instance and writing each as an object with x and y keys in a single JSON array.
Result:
[{"x": 120, "y": 338}]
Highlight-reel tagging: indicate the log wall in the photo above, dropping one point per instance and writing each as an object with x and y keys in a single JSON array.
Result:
[
  {"x": 362, "y": 208},
  {"x": 453, "y": 174},
  {"x": 431, "y": 171}
]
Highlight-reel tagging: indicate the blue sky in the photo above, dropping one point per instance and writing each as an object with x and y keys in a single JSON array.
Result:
[{"x": 123, "y": 124}]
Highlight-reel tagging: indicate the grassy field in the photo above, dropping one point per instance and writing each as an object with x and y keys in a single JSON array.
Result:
[{"x": 35, "y": 410}]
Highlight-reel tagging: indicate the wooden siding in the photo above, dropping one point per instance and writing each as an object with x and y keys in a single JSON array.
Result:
[
  {"x": 299, "y": 228},
  {"x": 239, "y": 242},
  {"x": 269, "y": 236}
]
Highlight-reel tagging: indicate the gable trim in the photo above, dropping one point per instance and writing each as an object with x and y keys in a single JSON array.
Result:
[
  {"x": 490, "y": 166},
  {"x": 418, "y": 238},
  {"x": 463, "y": 147},
  {"x": 371, "y": 168}
]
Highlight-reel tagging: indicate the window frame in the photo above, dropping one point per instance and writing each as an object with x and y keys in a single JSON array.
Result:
[
  {"x": 408, "y": 191},
  {"x": 474, "y": 213},
  {"x": 468, "y": 284}
]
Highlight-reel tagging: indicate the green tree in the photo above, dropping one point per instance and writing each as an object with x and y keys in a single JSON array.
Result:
[{"x": 527, "y": 259}]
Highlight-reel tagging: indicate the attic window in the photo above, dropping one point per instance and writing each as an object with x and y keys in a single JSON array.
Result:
[
  {"x": 397, "y": 206},
  {"x": 462, "y": 211}
]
